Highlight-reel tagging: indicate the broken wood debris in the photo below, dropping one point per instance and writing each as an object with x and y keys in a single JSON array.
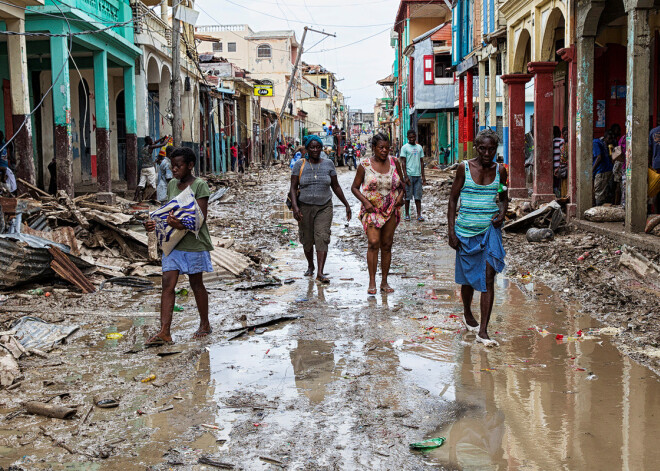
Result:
[{"x": 67, "y": 270}]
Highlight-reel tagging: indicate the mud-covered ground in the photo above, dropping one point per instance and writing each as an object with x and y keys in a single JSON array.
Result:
[{"x": 354, "y": 379}]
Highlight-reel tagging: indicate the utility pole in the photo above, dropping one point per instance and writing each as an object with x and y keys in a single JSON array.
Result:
[
  {"x": 176, "y": 76},
  {"x": 293, "y": 76}
]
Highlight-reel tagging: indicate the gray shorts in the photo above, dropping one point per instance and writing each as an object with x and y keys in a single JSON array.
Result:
[
  {"x": 414, "y": 190},
  {"x": 314, "y": 229}
]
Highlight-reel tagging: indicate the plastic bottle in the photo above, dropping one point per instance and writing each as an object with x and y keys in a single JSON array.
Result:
[{"x": 36, "y": 292}]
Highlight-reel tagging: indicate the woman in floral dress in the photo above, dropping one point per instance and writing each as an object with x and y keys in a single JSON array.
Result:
[{"x": 379, "y": 188}]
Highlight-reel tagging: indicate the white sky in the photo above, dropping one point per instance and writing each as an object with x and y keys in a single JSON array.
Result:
[{"x": 360, "y": 65}]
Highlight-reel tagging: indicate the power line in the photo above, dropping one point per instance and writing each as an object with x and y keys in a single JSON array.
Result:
[{"x": 304, "y": 22}]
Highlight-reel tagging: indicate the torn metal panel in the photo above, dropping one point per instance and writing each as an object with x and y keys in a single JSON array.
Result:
[
  {"x": 66, "y": 269},
  {"x": 61, "y": 235},
  {"x": 25, "y": 258},
  {"x": 33, "y": 332}
]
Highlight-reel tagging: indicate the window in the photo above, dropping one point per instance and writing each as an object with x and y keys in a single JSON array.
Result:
[
  {"x": 231, "y": 47},
  {"x": 267, "y": 82},
  {"x": 264, "y": 52},
  {"x": 428, "y": 70},
  {"x": 442, "y": 66},
  {"x": 217, "y": 47},
  {"x": 324, "y": 83}
]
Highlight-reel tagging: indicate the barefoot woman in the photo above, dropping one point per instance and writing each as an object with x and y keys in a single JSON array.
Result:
[
  {"x": 476, "y": 235},
  {"x": 382, "y": 198},
  {"x": 316, "y": 178}
]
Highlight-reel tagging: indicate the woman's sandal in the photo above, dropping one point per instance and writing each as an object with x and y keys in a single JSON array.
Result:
[
  {"x": 309, "y": 272},
  {"x": 470, "y": 328},
  {"x": 371, "y": 291},
  {"x": 323, "y": 279},
  {"x": 487, "y": 342},
  {"x": 386, "y": 290}
]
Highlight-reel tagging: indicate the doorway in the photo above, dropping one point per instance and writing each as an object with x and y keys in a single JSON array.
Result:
[
  {"x": 84, "y": 138},
  {"x": 121, "y": 135}
]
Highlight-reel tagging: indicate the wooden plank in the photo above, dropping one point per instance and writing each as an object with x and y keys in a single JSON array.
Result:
[
  {"x": 137, "y": 237},
  {"x": 33, "y": 188},
  {"x": 65, "y": 268}
]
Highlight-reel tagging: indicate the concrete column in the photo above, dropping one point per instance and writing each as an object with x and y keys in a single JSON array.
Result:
[
  {"x": 482, "y": 95},
  {"x": 568, "y": 55},
  {"x": 543, "y": 122},
  {"x": 59, "y": 52},
  {"x": 130, "y": 105},
  {"x": 102, "y": 109},
  {"x": 217, "y": 168},
  {"x": 584, "y": 124},
  {"x": 469, "y": 119},
  {"x": 461, "y": 118},
  {"x": 492, "y": 91},
  {"x": 505, "y": 113},
  {"x": 20, "y": 102},
  {"x": 637, "y": 115},
  {"x": 516, "y": 113}
]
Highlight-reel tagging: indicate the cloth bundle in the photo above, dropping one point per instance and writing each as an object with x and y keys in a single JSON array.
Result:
[{"x": 186, "y": 210}]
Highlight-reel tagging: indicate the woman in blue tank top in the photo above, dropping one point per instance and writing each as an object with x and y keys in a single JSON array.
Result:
[{"x": 476, "y": 234}]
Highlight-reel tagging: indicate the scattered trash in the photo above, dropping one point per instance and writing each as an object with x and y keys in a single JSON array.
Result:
[
  {"x": 638, "y": 263},
  {"x": 260, "y": 330},
  {"x": 584, "y": 256},
  {"x": 591, "y": 377},
  {"x": 114, "y": 335},
  {"x": 106, "y": 403},
  {"x": 540, "y": 235},
  {"x": 181, "y": 292},
  {"x": 36, "y": 292},
  {"x": 211, "y": 427},
  {"x": 151, "y": 377},
  {"x": 178, "y": 308},
  {"x": 166, "y": 408},
  {"x": 289, "y": 281},
  {"x": 428, "y": 444}
]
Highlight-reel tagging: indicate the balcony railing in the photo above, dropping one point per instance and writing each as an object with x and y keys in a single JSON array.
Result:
[
  {"x": 151, "y": 24},
  {"x": 220, "y": 28}
]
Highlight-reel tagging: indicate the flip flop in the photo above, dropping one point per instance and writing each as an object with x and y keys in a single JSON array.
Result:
[
  {"x": 421, "y": 219},
  {"x": 406, "y": 218},
  {"x": 309, "y": 272},
  {"x": 157, "y": 342},
  {"x": 488, "y": 342},
  {"x": 323, "y": 279},
  {"x": 371, "y": 291},
  {"x": 470, "y": 328},
  {"x": 386, "y": 290}
]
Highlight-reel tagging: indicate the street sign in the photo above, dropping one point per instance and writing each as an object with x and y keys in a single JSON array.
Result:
[{"x": 263, "y": 90}]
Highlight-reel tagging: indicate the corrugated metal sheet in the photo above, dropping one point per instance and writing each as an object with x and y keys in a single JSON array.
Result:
[
  {"x": 443, "y": 34},
  {"x": 230, "y": 260},
  {"x": 25, "y": 258}
]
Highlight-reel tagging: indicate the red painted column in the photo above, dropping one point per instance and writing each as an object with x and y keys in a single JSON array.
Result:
[
  {"x": 516, "y": 86},
  {"x": 461, "y": 118},
  {"x": 543, "y": 123},
  {"x": 469, "y": 119},
  {"x": 568, "y": 55}
]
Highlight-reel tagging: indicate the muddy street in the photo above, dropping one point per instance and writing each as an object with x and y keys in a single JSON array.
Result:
[{"x": 347, "y": 380}]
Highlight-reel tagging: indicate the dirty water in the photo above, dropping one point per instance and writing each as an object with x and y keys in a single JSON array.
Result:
[{"x": 358, "y": 378}]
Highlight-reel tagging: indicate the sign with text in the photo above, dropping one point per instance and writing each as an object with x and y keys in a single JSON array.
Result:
[{"x": 263, "y": 90}]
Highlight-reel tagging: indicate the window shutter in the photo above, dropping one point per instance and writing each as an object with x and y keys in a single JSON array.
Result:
[
  {"x": 411, "y": 83},
  {"x": 428, "y": 70}
]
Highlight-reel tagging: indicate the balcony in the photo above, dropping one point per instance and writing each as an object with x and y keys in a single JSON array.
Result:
[{"x": 151, "y": 30}]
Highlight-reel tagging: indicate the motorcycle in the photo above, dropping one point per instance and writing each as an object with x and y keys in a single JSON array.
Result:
[{"x": 349, "y": 157}]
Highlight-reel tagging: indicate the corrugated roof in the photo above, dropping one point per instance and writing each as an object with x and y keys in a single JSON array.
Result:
[{"x": 443, "y": 34}]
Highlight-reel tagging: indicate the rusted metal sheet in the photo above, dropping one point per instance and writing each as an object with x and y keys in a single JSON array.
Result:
[
  {"x": 25, "y": 258},
  {"x": 61, "y": 235},
  {"x": 69, "y": 271},
  {"x": 9, "y": 205}
]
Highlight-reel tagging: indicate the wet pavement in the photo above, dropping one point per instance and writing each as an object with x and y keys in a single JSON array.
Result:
[{"x": 359, "y": 377}]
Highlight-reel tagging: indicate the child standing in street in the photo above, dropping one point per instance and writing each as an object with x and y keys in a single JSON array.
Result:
[{"x": 191, "y": 256}]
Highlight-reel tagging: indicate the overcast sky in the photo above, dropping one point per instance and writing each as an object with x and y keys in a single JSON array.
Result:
[{"x": 353, "y": 21}]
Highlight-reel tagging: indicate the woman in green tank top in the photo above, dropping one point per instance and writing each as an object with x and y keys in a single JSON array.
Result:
[{"x": 476, "y": 235}]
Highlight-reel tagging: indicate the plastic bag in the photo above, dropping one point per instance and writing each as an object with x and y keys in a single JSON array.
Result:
[{"x": 186, "y": 210}]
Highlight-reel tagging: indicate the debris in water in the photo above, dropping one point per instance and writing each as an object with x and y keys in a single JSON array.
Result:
[{"x": 428, "y": 444}]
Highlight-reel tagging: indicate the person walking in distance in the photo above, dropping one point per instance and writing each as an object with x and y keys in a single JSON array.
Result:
[
  {"x": 477, "y": 235},
  {"x": 412, "y": 164},
  {"x": 146, "y": 164}
]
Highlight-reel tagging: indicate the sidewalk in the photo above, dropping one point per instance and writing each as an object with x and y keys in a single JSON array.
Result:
[{"x": 615, "y": 230}]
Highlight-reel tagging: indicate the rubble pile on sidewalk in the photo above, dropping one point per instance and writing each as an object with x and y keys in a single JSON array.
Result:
[{"x": 85, "y": 242}]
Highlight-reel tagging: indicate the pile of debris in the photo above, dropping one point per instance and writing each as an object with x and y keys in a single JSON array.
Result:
[
  {"x": 85, "y": 242},
  {"x": 540, "y": 225}
]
